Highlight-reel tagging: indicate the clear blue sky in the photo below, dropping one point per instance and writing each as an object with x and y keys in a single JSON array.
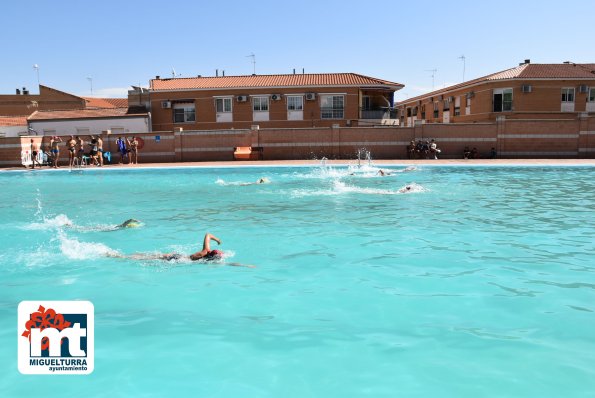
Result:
[{"x": 123, "y": 43}]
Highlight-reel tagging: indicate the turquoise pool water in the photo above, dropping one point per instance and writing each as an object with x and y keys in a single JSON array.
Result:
[{"x": 478, "y": 282}]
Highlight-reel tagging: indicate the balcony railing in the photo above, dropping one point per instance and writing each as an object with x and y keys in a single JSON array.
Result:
[{"x": 378, "y": 113}]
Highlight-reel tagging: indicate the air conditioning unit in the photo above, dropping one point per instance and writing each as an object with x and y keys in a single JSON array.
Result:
[
  {"x": 242, "y": 98},
  {"x": 166, "y": 104},
  {"x": 310, "y": 96},
  {"x": 583, "y": 89},
  {"x": 276, "y": 97},
  {"x": 526, "y": 88}
]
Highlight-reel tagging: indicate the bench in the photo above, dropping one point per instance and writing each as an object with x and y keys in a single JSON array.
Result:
[{"x": 247, "y": 153}]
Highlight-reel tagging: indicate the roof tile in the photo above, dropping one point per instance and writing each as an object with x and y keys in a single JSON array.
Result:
[
  {"x": 257, "y": 81},
  {"x": 81, "y": 113}
]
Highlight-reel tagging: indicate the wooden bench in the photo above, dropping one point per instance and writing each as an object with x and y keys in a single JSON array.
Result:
[{"x": 247, "y": 153}]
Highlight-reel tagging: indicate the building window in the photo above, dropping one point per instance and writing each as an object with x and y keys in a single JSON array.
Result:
[
  {"x": 260, "y": 104},
  {"x": 295, "y": 103},
  {"x": 591, "y": 97},
  {"x": 457, "y": 111},
  {"x": 408, "y": 112},
  {"x": 184, "y": 113},
  {"x": 568, "y": 94},
  {"x": 366, "y": 103},
  {"x": 446, "y": 104},
  {"x": 414, "y": 112},
  {"x": 468, "y": 101},
  {"x": 436, "y": 110},
  {"x": 332, "y": 106},
  {"x": 503, "y": 100},
  {"x": 223, "y": 105}
]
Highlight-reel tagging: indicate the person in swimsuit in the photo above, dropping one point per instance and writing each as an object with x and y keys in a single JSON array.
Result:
[
  {"x": 34, "y": 152},
  {"x": 94, "y": 149},
  {"x": 55, "y": 149},
  {"x": 81, "y": 149},
  {"x": 100, "y": 150},
  {"x": 71, "y": 146},
  {"x": 133, "y": 145}
]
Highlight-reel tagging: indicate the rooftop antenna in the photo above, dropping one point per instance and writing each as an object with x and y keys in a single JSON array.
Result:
[
  {"x": 253, "y": 62},
  {"x": 433, "y": 74},
  {"x": 174, "y": 74},
  {"x": 462, "y": 57},
  {"x": 36, "y": 67},
  {"x": 90, "y": 79}
]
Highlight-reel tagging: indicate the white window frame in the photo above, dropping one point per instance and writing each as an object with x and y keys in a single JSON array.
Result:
[
  {"x": 258, "y": 102},
  {"x": 566, "y": 93},
  {"x": 291, "y": 106},
  {"x": 188, "y": 112},
  {"x": 226, "y": 104},
  {"x": 591, "y": 94},
  {"x": 337, "y": 109},
  {"x": 503, "y": 92}
]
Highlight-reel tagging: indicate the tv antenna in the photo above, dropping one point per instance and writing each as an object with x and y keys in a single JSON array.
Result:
[
  {"x": 174, "y": 74},
  {"x": 253, "y": 62},
  {"x": 36, "y": 67},
  {"x": 433, "y": 75},
  {"x": 462, "y": 57},
  {"x": 90, "y": 79}
]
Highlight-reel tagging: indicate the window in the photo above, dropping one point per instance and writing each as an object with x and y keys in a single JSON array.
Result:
[
  {"x": 184, "y": 113},
  {"x": 414, "y": 111},
  {"x": 222, "y": 105},
  {"x": 295, "y": 103},
  {"x": 446, "y": 104},
  {"x": 457, "y": 111},
  {"x": 591, "y": 97},
  {"x": 408, "y": 112},
  {"x": 468, "y": 101},
  {"x": 568, "y": 94},
  {"x": 260, "y": 104},
  {"x": 366, "y": 103},
  {"x": 332, "y": 106},
  {"x": 503, "y": 100},
  {"x": 436, "y": 110}
]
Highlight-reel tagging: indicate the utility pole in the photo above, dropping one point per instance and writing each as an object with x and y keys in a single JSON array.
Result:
[
  {"x": 462, "y": 57},
  {"x": 433, "y": 75},
  {"x": 253, "y": 62}
]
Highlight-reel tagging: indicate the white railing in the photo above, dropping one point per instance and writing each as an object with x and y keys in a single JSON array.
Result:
[{"x": 26, "y": 158}]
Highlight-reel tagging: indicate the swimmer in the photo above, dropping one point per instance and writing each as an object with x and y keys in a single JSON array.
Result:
[
  {"x": 383, "y": 173},
  {"x": 262, "y": 180},
  {"x": 130, "y": 223},
  {"x": 205, "y": 254},
  {"x": 405, "y": 189}
]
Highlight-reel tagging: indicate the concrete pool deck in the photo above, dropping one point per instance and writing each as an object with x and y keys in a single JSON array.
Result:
[{"x": 345, "y": 162}]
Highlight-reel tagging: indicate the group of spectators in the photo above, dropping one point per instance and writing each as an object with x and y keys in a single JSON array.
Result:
[
  {"x": 474, "y": 153},
  {"x": 423, "y": 150},
  {"x": 81, "y": 152}
]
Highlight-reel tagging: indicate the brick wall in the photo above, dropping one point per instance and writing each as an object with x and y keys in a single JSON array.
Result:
[{"x": 546, "y": 138}]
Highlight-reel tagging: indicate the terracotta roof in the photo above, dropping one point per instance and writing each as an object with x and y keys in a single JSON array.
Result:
[
  {"x": 13, "y": 120},
  {"x": 82, "y": 114},
  {"x": 523, "y": 72},
  {"x": 256, "y": 81},
  {"x": 106, "y": 102}
]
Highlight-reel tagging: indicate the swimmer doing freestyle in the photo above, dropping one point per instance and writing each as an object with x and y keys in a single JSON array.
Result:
[{"x": 205, "y": 254}]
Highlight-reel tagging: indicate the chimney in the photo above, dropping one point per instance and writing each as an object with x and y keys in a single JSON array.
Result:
[
  {"x": 303, "y": 71},
  {"x": 527, "y": 61},
  {"x": 223, "y": 71},
  {"x": 157, "y": 77},
  {"x": 216, "y": 72},
  {"x": 18, "y": 92},
  {"x": 294, "y": 71}
]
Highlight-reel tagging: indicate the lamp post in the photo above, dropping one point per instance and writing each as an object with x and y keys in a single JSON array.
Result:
[{"x": 90, "y": 79}]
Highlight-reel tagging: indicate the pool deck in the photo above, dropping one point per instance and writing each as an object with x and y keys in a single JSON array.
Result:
[{"x": 375, "y": 162}]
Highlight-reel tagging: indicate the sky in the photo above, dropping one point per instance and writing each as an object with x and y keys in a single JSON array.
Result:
[{"x": 110, "y": 45}]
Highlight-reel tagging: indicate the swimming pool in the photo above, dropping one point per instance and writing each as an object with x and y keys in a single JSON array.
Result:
[{"x": 478, "y": 281}]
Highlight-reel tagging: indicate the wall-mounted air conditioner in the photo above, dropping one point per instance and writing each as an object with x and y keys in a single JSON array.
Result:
[
  {"x": 166, "y": 104},
  {"x": 310, "y": 96},
  {"x": 583, "y": 88},
  {"x": 526, "y": 88},
  {"x": 276, "y": 97},
  {"x": 242, "y": 98}
]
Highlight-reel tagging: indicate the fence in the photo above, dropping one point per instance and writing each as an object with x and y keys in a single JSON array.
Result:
[{"x": 511, "y": 139}]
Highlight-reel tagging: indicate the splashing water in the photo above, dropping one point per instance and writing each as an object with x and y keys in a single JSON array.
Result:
[{"x": 76, "y": 250}]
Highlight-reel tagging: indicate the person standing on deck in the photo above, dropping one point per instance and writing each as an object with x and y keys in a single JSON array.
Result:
[{"x": 54, "y": 142}]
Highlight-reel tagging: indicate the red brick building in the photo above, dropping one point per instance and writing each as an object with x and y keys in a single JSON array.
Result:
[
  {"x": 270, "y": 101},
  {"x": 528, "y": 91}
]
